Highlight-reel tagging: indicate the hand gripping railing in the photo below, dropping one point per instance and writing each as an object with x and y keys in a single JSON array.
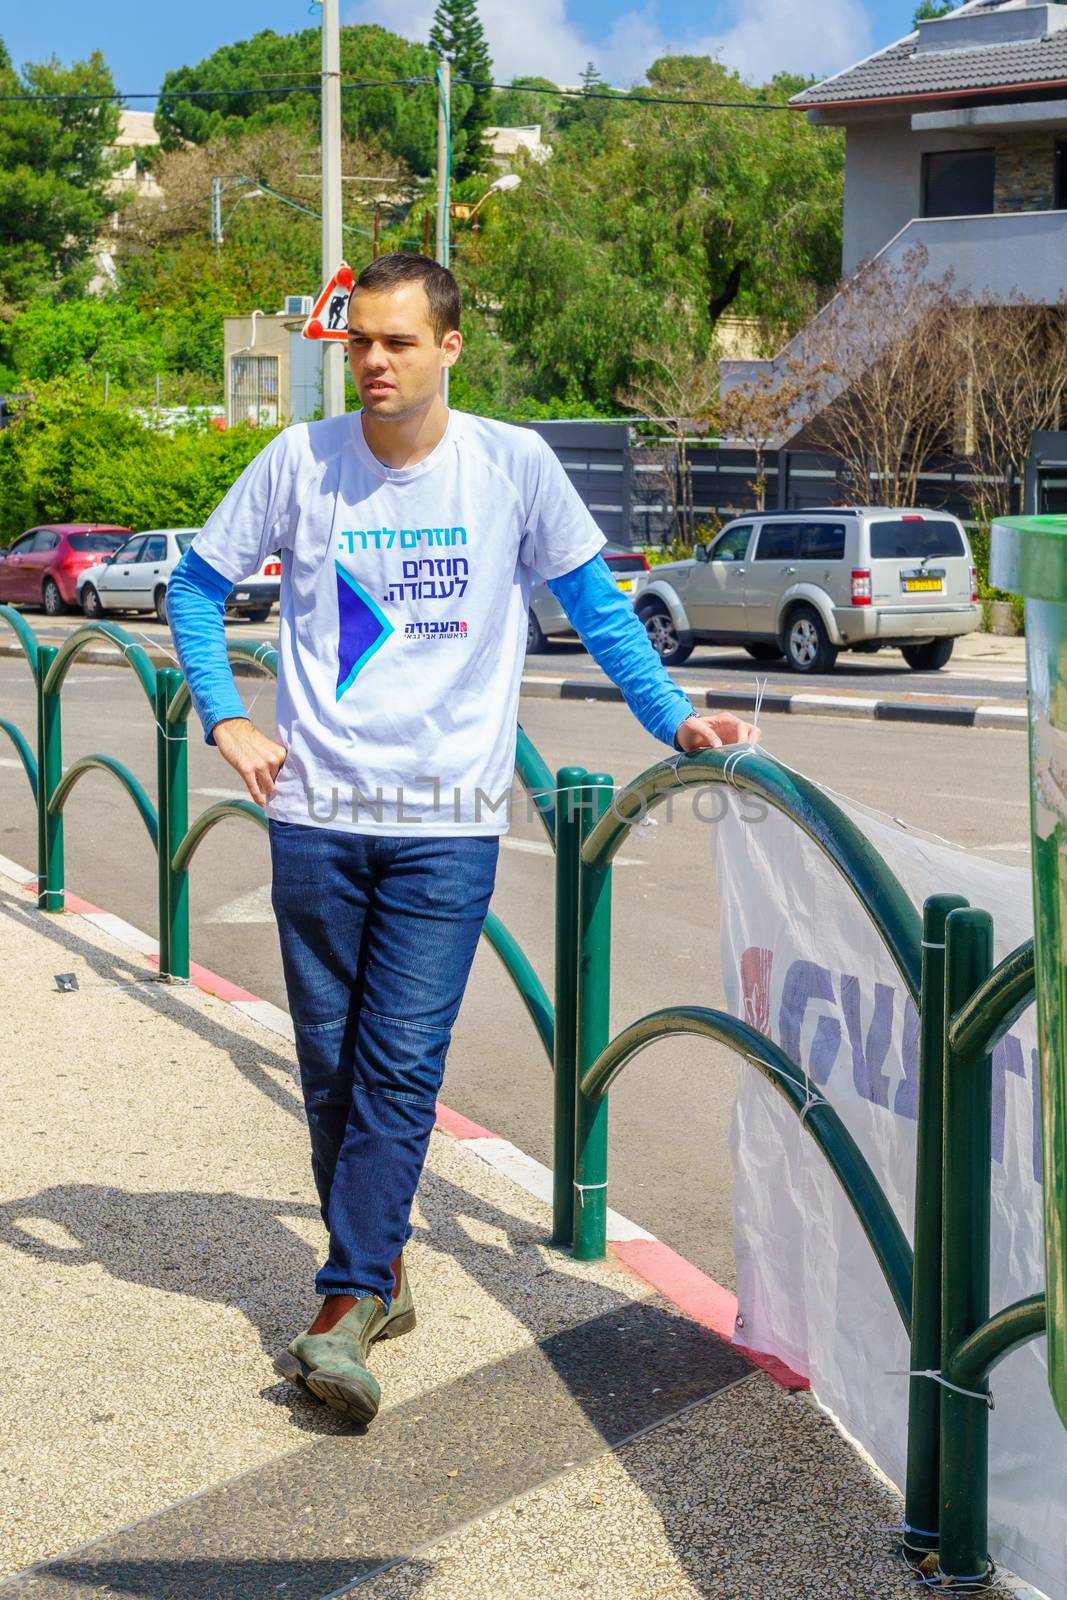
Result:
[{"x": 940, "y": 1286}]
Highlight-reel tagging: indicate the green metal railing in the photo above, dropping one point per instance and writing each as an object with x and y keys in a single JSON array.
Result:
[{"x": 939, "y": 1284}]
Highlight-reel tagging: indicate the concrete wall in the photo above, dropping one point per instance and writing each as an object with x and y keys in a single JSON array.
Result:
[
  {"x": 883, "y": 176},
  {"x": 883, "y": 180}
]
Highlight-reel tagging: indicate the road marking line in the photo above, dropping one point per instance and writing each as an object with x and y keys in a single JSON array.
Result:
[
  {"x": 536, "y": 1179},
  {"x": 541, "y": 847},
  {"x": 255, "y": 906}
]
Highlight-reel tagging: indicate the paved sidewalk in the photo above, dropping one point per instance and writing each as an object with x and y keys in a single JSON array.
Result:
[{"x": 551, "y": 1429}]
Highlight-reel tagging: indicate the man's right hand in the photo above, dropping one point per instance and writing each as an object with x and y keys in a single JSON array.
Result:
[{"x": 251, "y": 754}]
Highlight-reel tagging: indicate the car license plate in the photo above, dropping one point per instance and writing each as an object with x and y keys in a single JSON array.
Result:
[
  {"x": 626, "y": 583},
  {"x": 243, "y": 594},
  {"x": 916, "y": 585}
]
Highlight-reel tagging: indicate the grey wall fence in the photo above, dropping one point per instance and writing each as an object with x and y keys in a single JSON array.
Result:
[{"x": 631, "y": 485}]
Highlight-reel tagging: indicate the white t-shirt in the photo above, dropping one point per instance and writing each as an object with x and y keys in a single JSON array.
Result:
[{"x": 404, "y": 596}]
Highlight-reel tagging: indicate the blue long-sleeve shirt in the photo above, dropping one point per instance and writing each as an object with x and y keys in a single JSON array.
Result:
[{"x": 601, "y": 614}]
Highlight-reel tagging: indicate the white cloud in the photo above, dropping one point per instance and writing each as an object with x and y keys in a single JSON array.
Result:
[{"x": 538, "y": 37}]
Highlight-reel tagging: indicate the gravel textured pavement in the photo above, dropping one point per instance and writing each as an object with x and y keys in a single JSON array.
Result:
[{"x": 551, "y": 1428}]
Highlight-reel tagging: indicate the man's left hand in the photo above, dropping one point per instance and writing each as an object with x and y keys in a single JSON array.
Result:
[{"x": 708, "y": 733}]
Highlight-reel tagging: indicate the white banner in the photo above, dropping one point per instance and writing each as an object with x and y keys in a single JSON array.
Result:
[{"x": 802, "y": 963}]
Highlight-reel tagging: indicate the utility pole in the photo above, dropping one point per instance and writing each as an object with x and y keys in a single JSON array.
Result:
[
  {"x": 216, "y": 212},
  {"x": 333, "y": 353},
  {"x": 444, "y": 173}
]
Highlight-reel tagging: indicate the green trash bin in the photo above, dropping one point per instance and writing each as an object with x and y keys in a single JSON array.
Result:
[{"x": 1028, "y": 557}]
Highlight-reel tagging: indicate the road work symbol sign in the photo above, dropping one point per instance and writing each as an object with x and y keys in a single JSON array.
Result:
[{"x": 329, "y": 314}]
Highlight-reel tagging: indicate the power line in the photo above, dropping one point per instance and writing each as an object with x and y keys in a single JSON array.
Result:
[
  {"x": 214, "y": 94},
  {"x": 618, "y": 97},
  {"x": 629, "y": 98}
]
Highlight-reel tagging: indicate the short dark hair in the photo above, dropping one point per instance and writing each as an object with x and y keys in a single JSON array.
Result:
[{"x": 389, "y": 271}]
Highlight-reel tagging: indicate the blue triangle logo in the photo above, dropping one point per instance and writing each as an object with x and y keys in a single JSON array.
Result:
[{"x": 362, "y": 629}]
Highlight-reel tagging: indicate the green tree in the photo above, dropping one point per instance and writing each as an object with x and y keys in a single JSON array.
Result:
[
  {"x": 520, "y": 105},
  {"x": 70, "y": 458},
  {"x": 457, "y": 35},
  {"x": 707, "y": 212},
  {"x": 54, "y": 165},
  {"x": 928, "y": 10},
  {"x": 402, "y": 120},
  {"x": 89, "y": 335}
]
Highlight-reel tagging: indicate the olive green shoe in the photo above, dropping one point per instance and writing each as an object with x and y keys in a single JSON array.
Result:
[
  {"x": 334, "y": 1364},
  {"x": 312, "y": 1355}
]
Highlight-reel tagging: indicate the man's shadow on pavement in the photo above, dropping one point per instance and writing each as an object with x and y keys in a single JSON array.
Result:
[{"x": 595, "y": 1349}]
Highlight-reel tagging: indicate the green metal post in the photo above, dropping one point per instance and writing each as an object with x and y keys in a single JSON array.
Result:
[
  {"x": 565, "y": 1047},
  {"x": 49, "y": 772},
  {"x": 1028, "y": 556},
  {"x": 965, "y": 1209},
  {"x": 924, "y": 1399},
  {"x": 594, "y": 1021},
  {"x": 164, "y": 843},
  {"x": 177, "y": 765}
]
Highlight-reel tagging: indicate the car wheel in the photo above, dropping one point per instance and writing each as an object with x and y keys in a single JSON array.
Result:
[
  {"x": 260, "y": 614},
  {"x": 161, "y": 603},
  {"x": 663, "y": 636},
  {"x": 763, "y": 652},
  {"x": 536, "y": 638},
  {"x": 807, "y": 644},
  {"x": 52, "y": 600},
  {"x": 927, "y": 657},
  {"x": 91, "y": 606}
]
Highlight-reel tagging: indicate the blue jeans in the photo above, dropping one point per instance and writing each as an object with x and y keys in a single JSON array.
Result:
[{"x": 377, "y": 937}]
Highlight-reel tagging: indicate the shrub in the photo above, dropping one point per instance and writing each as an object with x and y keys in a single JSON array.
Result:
[{"x": 68, "y": 458}]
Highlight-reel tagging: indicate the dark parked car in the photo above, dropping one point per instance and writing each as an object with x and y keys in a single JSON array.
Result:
[
  {"x": 547, "y": 618},
  {"x": 41, "y": 567}
]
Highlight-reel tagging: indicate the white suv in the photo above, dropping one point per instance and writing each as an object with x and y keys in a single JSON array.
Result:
[{"x": 806, "y": 584}]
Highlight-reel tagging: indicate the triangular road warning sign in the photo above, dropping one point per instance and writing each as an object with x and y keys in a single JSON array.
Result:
[{"x": 329, "y": 314}]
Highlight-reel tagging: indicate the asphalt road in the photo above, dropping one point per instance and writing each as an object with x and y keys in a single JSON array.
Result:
[
  {"x": 669, "y": 1112},
  {"x": 884, "y": 674}
]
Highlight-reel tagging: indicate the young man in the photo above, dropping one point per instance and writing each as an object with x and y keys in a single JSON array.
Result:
[{"x": 410, "y": 536}]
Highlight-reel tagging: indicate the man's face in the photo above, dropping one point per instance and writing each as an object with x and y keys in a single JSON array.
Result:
[{"x": 394, "y": 357}]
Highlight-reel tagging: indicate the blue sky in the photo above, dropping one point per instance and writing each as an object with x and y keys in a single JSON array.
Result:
[{"x": 554, "y": 37}]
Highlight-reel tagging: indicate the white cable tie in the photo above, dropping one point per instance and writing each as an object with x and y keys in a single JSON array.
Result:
[
  {"x": 811, "y": 1098},
  {"x": 932, "y": 944},
  {"x": 583, "y": 1187},
  {"x": 970, "y": 1394}
]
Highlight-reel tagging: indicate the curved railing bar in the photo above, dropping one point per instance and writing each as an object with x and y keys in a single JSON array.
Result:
[
  {"x": 209, "y": 819},
  {"x": 88, "y": 634},
  {"x": 531, "y": 990},
  {"x": 137, "y": 793},
  {"x": 875, "y": 886},
  {"x": 19, "y": 740},
  {"x": 974, "y": 1359},
  {"x": 996, "y": 1005},
  {"x": 27, "y": 638},
  {"x": 540, "y": 785},
  {"x": 884, "y": 1233},
  {"x": 263, "y": 655}
]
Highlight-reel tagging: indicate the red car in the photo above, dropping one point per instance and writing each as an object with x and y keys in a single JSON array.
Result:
[{"x": 41, "y": 567}]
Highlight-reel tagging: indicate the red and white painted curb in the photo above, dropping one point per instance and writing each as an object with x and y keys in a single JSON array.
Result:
[{"x": 648, "y": 1258}]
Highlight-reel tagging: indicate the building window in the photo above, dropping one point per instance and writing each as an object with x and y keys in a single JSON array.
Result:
[
  {"x": 1061, "y": 176},
  {"x": 958, "y": 183},
  {"x": 254, "y": 390}
]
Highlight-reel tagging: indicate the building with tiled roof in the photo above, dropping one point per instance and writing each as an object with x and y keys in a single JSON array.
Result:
[
  {"x": 966, "y": 116},
  {"x": 956, "y": 156}
]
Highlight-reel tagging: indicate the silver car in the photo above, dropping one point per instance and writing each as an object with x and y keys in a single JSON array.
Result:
[
  {"x": 809, "y": 584},
  {"x": 135, "y": 578},
  {"x": 547, "y": 618}
]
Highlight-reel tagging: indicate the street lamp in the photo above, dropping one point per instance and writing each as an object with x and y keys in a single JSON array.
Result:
[
  {"x": 464, "y": 213},
  {"x": 502, "y": 185}
]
